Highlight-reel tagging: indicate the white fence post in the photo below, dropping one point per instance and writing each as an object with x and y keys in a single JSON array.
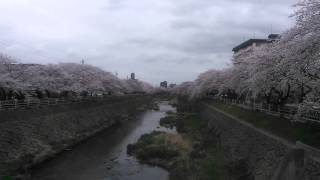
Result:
[
  {"x": 269, "y": 107},
  {"x": 15, "y": 104}
]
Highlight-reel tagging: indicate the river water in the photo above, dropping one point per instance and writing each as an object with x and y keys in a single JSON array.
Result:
[{"x": 104, "y": 157}]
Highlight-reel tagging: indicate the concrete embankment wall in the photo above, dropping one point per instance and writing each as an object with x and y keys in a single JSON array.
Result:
[
  {"x": 28, "y": 137},
  {"x": 263, "y": 155}
]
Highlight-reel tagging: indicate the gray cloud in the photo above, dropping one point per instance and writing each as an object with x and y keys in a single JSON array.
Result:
[{"x": 172, "y": 40}]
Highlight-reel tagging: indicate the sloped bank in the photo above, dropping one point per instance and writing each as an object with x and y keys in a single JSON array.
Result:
[
  {"x": 29, "y": 137},
  {"x": 263, "y": 155},
  {"x": 187, "y": 154}
]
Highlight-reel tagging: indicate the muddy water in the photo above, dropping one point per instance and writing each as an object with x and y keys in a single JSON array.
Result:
[{"x": 104, "y": 156}]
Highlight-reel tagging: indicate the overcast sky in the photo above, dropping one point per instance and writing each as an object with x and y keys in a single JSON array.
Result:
[{"x": 171, "y": 40}]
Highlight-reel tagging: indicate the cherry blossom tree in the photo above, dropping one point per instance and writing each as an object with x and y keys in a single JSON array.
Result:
[
  {"x": 56, "y": 79},
  {"x": 285, "y": 71}
]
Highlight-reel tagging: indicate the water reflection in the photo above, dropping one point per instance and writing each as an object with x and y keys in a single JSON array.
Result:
[{"x": 104, "y": 156}]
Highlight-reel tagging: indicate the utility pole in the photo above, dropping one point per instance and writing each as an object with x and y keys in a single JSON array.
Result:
[{"x": 82, "y": 61}]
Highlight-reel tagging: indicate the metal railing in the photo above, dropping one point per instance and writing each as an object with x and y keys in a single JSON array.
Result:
[
  {"x": 289, "y": 112},
  {"x": 39, "y": 103}
]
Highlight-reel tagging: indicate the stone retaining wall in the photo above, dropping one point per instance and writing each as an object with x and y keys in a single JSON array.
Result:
[
  {"x": 29, "y": 137},
  {"x": 264, "y": 155}
]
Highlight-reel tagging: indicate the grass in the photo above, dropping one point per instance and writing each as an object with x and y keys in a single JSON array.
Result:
[
  {"x": 190, "y": 125},
  {"x": 7, "y": 178},
  {"x": 170, "y": 113},
  {"x": 192, "y": 121},
  {"x": 173, "y": 101},
  {"x": 156, "y": 145},
  {"x": 168, "y": 121},
  {"x": 213, "y": 166},
  {"x": 186, "y": 155},
  {"x": 183, "y": 144},
  {"x": 282, "y": 127}
]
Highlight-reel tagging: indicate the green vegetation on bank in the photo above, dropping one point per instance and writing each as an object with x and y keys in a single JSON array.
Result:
[
  {"x": 173, "y": 101},
  {"x": 279, "y": 126},
  {"x": 207, "y": 154},
  {"x": 189, "y": 154},
  {"x": 169, "y": 121},
  {"x": 157, "y": 146},
  {"x": 7, "y": 178}
]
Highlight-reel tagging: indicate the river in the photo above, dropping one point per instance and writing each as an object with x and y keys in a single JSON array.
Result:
[{"x": 104, "y": 157}]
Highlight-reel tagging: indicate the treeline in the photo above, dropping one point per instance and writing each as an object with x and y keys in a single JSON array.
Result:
[
  {"x": 282, "y": 72},
  {"x": 61, "y": 80}
]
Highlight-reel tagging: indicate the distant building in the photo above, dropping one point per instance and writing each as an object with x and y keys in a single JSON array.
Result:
[
  {"x": 172, "y": 85},
  {"x": 251, "y": 44},
  {"x": 164, "y": 84},
  {"x": 243, "y": 50},
  {"x": 133, "y": 76}
]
